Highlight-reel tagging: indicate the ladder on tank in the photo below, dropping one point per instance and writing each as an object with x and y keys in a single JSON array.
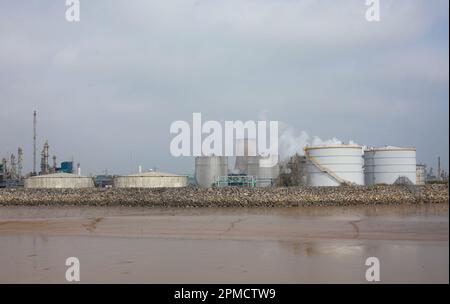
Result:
[{"x": 324, "y": 169}]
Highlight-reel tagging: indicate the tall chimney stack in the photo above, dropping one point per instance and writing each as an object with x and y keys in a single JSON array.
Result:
[
  {"x": 439, "y": 168},
  {"x": 34, "y": 143}
]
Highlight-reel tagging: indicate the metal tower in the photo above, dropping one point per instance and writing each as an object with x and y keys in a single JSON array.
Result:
[
  {"x": 19, "y": 162},
  {"x": 34, "y": 142}
]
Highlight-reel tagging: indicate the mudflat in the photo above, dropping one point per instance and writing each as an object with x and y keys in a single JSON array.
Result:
[{"x": 225, "y": 245}]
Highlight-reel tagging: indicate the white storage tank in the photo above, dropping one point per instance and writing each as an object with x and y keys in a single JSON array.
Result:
[
  {"x": 59, "y": 181},
  {"x": 334, "y": 165},
  {"x": 152, "y": 179},
  {"x": 421, "y": 175},
  {"x": 387, "y": 164},
  {"x": 246, "y": 159},
  {"x": 265, "y": 176},
  {"x": 209, "y": 168}
]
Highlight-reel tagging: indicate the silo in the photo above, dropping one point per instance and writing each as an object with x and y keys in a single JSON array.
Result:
[
  {"x": 209, "y": 168},
  {"x": 59, "y": 180},
  {"x": 153, "y": 179},
  {"x": 421, "y": 174},
  {"x": 251, "y": 165},
  {"x": 246, "y": 155},
  {"x": 387, "y": 164},
  {"x": 334, "y": 165}
]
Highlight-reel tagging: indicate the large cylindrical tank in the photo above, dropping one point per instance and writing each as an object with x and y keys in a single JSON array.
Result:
[
  {"x": 334, "y": 165},
  {"x": 209, "y": 168},
  {"x": 386, "y": 165},
  {"x": 251, "y": 165},
  {"x": 421, "y": 174},
  {"x": 245, "y": 154},
  {"x": 151, "y": 179},
  {"x": 59, "y": 180},
  {"x": 264, "y": 176}
]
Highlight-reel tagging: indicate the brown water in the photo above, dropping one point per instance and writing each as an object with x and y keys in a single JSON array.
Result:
[{"x": 290, "y": 245}]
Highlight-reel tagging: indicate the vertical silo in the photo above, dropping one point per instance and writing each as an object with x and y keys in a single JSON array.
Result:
[
  {"x": 246, "y": 155},
  {"x": 421, "y": 174},
  {"x": 250, "y": 163},
  {"x": 334, "y": 165},
  {"x": 387, "y": 164},
  {"x": 209, "y": 168},
  {"x": 267, "y": 175}
]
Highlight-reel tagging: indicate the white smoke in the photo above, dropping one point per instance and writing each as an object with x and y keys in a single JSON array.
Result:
[{"x": 292, "y": 141}]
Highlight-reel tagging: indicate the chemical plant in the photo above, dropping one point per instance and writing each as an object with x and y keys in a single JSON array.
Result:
[{"x": 326, "y": 165}]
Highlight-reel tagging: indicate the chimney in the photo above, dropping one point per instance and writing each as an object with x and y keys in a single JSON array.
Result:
[{"x": 439, "y": 169}]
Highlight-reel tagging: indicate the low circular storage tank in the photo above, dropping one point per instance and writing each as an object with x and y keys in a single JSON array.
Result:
[
  {"x": 153, "y": 179},
  {"x": 334, "y": 165},
  {"x": 59, "y": 180},
  {"x": 208, "y": 168},
  {"x": 387, "y": 164}
]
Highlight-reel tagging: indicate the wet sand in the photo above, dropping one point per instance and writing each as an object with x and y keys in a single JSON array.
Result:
[{"x": 221, "y": 245}]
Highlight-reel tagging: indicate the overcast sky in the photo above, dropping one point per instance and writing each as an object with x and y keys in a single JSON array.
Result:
[{"x": 108, "y": 87}]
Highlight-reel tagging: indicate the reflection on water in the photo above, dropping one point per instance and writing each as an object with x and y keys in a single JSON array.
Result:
[
  {"x": 290, "y": 245},
  {"x": 310, "y": 248}
]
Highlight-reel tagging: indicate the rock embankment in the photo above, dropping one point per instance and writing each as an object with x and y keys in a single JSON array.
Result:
[{"x": 227, "y": 197}]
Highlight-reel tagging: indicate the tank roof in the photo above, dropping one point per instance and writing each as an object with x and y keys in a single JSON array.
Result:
[
  {"x": 390, "y": 148},
  {"x": 58, "y": 175},
  {"x": 153, "y": 174},
  {"x": 333, "y": 146}
]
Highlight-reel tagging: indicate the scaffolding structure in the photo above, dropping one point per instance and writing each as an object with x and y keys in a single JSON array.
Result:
[{"x": 236, "y": 180}]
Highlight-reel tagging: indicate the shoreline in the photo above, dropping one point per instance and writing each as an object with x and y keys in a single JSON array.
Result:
[{"x": 193, "y": 197}]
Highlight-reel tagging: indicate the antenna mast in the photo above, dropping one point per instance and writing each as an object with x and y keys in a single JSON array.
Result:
[{"x": 34, "y": 143}]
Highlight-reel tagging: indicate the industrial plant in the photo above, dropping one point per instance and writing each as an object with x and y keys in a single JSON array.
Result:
[{"x": 319, "y": 166}]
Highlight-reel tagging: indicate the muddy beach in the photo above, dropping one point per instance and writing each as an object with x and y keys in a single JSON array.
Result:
[{"x": 225, "y": 245}]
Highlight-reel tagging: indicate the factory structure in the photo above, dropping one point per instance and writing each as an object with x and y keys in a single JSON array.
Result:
[
  {"x": 49, "y": 175},
  {"x": 319, "y": 166},
  {"x": 151, "y": 179}
]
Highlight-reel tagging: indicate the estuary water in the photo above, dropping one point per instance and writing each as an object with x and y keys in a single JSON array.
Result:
[{"x": 225, "y": 245}]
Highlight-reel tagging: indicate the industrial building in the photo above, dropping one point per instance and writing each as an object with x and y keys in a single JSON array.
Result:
[
  {"x": 59, "y": 181},
  {"x": 208, "y": 169},
  {"x": 334, "y": 165},
  {"x": 249, "y": 163},
  {"x": 11, "y": 172},
  {"x": 249, "y": 171},
  {"x": 152, "y": 179},
  {"x": 321, "y": 165},
  {"x": 388, "y": 165},
  {"x": 421, "y": 175}
]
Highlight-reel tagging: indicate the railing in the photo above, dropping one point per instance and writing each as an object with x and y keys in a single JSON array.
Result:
[{"x": 326, "y": 170}]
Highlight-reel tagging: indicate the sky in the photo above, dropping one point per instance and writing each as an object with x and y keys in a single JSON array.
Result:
[{"x": 107, "y": 88}]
